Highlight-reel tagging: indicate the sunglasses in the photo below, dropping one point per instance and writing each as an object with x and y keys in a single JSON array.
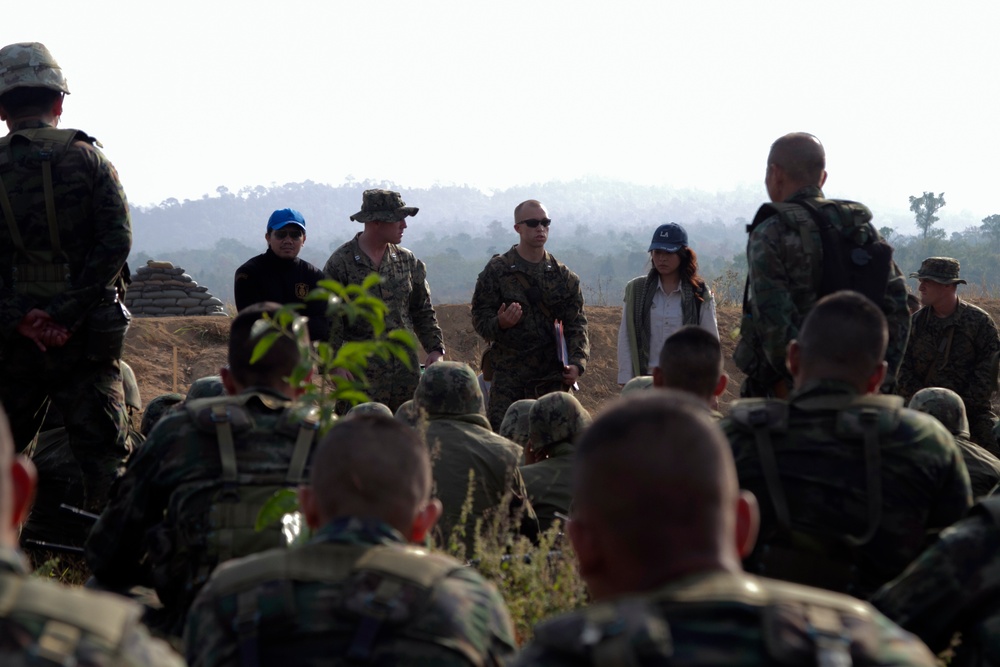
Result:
[
  {"x": 544, "y": 222},
  {"x": 288, "y": 233}
]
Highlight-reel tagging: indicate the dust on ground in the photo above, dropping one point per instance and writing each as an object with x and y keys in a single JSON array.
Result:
[{"x": 200, "y": 344}]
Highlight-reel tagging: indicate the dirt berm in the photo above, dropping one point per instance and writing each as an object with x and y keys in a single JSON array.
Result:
[{"x": 199, "y": 344}]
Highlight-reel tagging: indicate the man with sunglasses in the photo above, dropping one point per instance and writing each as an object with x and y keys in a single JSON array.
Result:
[
  {"x": 521, "y": 298},
  {"x": 279, "y": 275}
]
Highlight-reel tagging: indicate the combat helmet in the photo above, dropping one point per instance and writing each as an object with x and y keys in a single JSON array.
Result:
[
  {"x": 158, "y": 407},
  {"x": 30, "y": 65},
  {"x": 369, "y": 408},
  {"x": 944, "y": 405},
  {"x": 554, "y": 418},
  {"x": 514, "y": 426},
  {"x": 449, "y": 388}
]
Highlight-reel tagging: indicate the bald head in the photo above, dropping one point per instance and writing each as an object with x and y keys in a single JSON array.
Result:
[
  {"x": 374, "y": 467},
  {"x": 655, "y": 450},
  {"x": 844, "y": 337},
  {"x": 801, "y": 156},
  {"x": 527, "y": 209}
]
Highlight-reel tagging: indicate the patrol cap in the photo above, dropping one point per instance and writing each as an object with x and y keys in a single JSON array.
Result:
[
  {"x": 514, "y": 426},
  {"x": 449, "y": 388},
  {"x": 30, "y": 65},
  {"x": 942, "y": 270},
  {"x": 637, "y": 384},
  {"x": 944, "y": 405},
  {"x": 556, "y": 417},
  {"x": 383, "y": 206},
  {"x": 670, "y": 237},
  {"x": 284, "y": 217}
]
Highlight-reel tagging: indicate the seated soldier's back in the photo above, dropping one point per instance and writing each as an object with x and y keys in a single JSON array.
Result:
[{"x": 357, "y": 592}]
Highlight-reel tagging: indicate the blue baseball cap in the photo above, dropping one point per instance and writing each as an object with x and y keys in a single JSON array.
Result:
[
  {"x": 285, "y": 216},
  {"x": 670, "y": 237}
]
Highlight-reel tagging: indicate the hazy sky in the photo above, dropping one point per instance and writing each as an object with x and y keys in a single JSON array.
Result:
[{"x": 188, "y": 96}]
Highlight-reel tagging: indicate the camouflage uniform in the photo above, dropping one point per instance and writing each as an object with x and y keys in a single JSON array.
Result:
[
  {"x": 958, "y": 352},
  {"x": 819, "y": 450},
  {"x": 91, "y": 221},
  {"x": 407, "y": 296},
  {"x": 437, "y": 612},
  {"x": 953, "y": 587},
  {"x": 515, "y": 422},
  {"x": 525, "y": 361},
  {"x": 554, "y": 422},
  {"x": 783, "y": 283},
  {"x": 43, "y": 623},
  {"x": 725, "y": 619},
  {"x": 460, "y": 441},
  {"x": 182, "y": 450},
  {"x": 946, "y": 406}
]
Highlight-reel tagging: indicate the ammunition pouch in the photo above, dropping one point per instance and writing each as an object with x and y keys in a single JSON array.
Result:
[{"x": 42, "y": 280}]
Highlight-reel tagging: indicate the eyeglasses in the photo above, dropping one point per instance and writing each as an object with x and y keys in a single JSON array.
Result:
[
  {"x": 288, "y": 233},
  {"x": 544, "y": 222}
]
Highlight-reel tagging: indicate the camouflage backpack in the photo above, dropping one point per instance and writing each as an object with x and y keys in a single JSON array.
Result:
[
  {"x": 375, "y": 591},
  {"x": 60, "y": 619},
  {"x": 209, "y": 521},
  {"x": 855, "y": 257},
  {"x": 791, "y": 553}
]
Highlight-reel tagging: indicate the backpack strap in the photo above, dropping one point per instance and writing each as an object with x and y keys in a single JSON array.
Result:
[
  {"x": 762, "y": 416},
  {"x": 308, "y": 428},
  {"x": 227, "y": 446}
]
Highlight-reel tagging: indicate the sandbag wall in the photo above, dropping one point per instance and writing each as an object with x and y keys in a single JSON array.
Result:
[{"x": 160, "y": 289}]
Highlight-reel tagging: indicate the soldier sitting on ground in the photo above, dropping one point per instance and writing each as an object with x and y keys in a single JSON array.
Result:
[
  {"x": 691, "y": 361},
  {"x": 190, "y": 496},
  {"x": 852, "y": 485},
  {"x": 667, "y": 584},
  {"x": 948, "y": 408},
  {"x": 357, "y": 592},
  {"x": 555, "y": 422},
  {"x": 44, "y": 623},
  {"x": 460, "y": 441}
]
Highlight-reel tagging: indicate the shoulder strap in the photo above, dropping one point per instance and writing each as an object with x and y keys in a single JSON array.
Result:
[
  {"x": 762, "y": 416},
  {"x": 308, "y": 428},
  {"x": 630, "y": 289}
]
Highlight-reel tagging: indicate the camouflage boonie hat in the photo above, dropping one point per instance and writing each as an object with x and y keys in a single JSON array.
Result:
[
  {"x": 30, "y": 65},
  {"x": 637, "y": 384},
  {"x": 942, "y": 270},
  {"x": 515, "y": 421},
  {"x": 944, "y": 405},
  {"x": 554, "y": 418},
  {"x": 158, "y": 407},
  {"x": 131, "y": 387},
  {"x": 449, "y": 388},
  {"x": 383, "y": 206},
  {"x": 370, "y": 408},
  {"x": 206, "y": 387}
]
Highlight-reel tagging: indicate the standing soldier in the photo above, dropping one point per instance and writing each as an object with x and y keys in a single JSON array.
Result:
[
  {"x": 801, "y": 247},
  {"x": 955, "y": 345},
  {"x": 404, "y": 290},
  {"x": 65, "y": 238},
  {"x": 519, "y": 298}
]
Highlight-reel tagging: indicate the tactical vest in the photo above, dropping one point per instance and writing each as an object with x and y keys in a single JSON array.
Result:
[
  {"x": 69, "y": 617},
  {"x": 829, "y": 561},
  {"x": 40, "y": 274},
  {"x": 855, "y": 257},
  {"x": 797, "y": 626},
  {"x": 212, "y": 520},
  {"x": 380, "y": 588}
]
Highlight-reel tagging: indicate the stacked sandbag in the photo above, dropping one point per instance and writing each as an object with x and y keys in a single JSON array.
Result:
[{"x": 160, "y": 289}]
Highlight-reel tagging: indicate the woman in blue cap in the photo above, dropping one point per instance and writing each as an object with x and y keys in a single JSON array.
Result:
[{"x": 670, "y": 296}]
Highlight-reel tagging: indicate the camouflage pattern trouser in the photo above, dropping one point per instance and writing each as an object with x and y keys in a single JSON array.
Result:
[
  {"x": 505, "y": 389},
  {"x": 88, "y": 395},
  {"x": 391, "y": 382}
]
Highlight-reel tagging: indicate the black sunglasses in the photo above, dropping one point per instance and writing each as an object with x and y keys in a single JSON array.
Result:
[
  {"x": 544, "y": 222},
  {"x": 288, "y": 233}
]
